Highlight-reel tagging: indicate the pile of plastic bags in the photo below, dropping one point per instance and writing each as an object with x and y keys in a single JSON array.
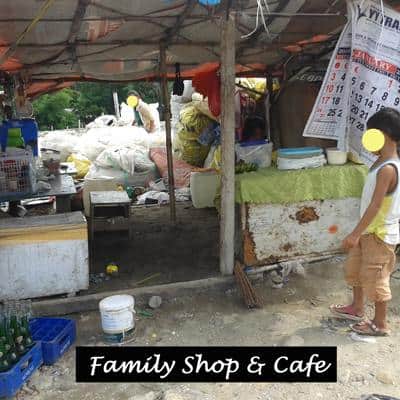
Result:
[{"x": 120, "y": 152}]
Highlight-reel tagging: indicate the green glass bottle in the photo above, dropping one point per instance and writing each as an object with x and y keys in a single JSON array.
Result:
[
  {"x": 4, "y": 363},
  {"x": 17, "y": 334},
  {"x": 15, "y": 329},
  {"x": 2, "y": 328},
  {"x": 10, "y": 345},
  {"x": 26, "y": 332}
]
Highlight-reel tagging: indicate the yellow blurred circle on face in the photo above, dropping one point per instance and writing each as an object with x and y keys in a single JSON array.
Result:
[
  {"x": 132, "y": 101},
  {"x": 373, "y": 140}
]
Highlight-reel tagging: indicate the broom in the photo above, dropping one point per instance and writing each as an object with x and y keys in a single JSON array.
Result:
[{"x": 250, "y": 297}]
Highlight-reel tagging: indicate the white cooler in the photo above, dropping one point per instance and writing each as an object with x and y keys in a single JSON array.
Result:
[{"x": 43, "y": 256}]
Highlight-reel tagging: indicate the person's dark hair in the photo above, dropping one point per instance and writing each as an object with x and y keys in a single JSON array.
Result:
[
  {"x": 250, "y": 126},
  {"x": 134, "y": 93},
  {"x": 388, "y": 121}
]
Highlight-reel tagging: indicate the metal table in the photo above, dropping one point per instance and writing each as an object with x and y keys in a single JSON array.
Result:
[{"x": 62, "y": 188}]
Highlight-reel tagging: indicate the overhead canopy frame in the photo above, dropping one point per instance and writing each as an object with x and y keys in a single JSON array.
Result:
[{"x": 104, "y": 40}]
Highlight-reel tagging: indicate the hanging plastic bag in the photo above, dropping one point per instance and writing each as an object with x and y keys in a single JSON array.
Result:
[{"x": 208, "y": 83}]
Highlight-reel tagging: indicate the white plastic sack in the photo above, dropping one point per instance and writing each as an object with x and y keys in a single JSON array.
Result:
[
  {"x": 62, "y": 141},
  {"x": 187, "y": 91},
  {"x": 119, "y": 136},
  {"x": 142, "y": 160},
  {"x": 118, "y": 176},
  {"x": 157, "y": 139},
  {"x": 127, "y": 114},
  {"x": 102, "y": 121},
  {"x": 118, "y": 158},
  {"x": 161, "y": 197},
  {"x": 156, "y": 115},
  {"x": 90, "y": 146}
]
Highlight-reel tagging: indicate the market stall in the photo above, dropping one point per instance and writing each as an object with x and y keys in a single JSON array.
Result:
[{"x": 212, "y": 43}]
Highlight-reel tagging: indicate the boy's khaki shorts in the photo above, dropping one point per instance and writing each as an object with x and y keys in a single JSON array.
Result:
[{"x": 369, "y": 266}]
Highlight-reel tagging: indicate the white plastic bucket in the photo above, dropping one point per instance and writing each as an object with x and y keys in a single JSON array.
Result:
[
  {"x": 260, "y": 154},
  {"x": 203, "y": 188},
  {"x": 117, "y": 314}
]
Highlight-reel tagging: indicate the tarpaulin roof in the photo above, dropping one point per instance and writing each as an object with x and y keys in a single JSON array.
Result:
[{"x": 120, "y": 40}]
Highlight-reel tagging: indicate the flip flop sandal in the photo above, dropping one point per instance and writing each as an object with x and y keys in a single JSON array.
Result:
[
  {"x": 372, "y": 329},
  {"x": 344, "y": 315}
]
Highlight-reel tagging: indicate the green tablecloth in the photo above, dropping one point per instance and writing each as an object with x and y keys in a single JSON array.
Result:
[{"x": 270, "y": 185}]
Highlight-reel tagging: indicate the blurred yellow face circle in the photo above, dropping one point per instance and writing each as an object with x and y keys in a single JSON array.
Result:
[
  {"x": 132, "y": 101},
  {"x": 373, "y": 140}
]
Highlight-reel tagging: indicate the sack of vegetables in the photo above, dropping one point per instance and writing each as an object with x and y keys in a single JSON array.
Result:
[{"x": 191, "y": 124}]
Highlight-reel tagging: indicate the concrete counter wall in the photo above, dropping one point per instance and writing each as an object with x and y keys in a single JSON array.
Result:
[{"x": 273, "y": 232}]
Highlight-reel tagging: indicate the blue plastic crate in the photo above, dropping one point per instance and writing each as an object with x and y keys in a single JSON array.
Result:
[
  {"x": 55, "y": 334},
  {"x": 11, "y": 381}
]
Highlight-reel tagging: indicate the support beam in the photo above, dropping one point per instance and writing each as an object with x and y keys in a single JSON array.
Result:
[
  {"x": 227, "y": 221},
  {"x": 74, "y": 31},
  {"x": 167, "y": 118}
]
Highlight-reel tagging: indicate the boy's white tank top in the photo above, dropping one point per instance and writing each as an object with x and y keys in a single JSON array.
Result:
[{"x": 386, "y": 223}]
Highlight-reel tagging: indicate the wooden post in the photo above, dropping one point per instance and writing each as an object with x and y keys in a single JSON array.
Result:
[
  {"x": 227, "y": 221},
  {"x": 167, "y": 118}
]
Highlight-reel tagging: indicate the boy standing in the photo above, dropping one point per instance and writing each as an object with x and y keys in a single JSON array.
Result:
[{"x": 372, "y": 243}]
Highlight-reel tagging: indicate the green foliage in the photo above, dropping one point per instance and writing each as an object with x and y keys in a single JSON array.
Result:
[
  {"x": 53, "y": 110},
  {"x": 87, "y": 101}
]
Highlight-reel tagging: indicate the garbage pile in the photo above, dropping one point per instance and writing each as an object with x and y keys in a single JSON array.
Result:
[{"x": 119, "y": 152}]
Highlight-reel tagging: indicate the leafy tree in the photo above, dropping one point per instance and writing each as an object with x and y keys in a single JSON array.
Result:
[
  {"x": 87, "y": 100},
  {"x": 53, "y": 110}
]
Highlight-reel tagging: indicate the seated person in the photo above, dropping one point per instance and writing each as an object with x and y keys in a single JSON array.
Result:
[{"x": 254, "y": 129}]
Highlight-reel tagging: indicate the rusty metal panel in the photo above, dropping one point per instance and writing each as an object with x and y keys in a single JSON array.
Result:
[{"x": 282, "y": 232}]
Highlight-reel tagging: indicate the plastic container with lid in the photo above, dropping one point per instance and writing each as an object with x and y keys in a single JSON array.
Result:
[
  {"x": 257, "y": 152},
  {"x": 117, "y": 314},
  {"x": 336, "y": 156},
  {"x": 203, "y": 188},
  {"x": 299, "y": 152}
]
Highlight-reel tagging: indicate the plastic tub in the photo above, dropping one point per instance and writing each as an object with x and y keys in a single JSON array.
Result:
[
  {"x": 203, "y": 188},
  {"x": 336, "y": 156},
  {"x": 255, "y": 152},
  {"x": 117, "y": 314},
  {"x": 299, "y": 152}
]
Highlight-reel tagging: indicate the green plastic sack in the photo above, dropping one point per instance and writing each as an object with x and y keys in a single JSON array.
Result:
[
  {"x": 191, "y": 124},
  {"x": 191, "y": 151}
]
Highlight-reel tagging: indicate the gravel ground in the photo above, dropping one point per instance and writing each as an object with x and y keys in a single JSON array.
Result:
[{"x": 294, "y": 315}]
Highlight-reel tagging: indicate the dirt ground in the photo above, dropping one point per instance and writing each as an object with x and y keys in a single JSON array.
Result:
[{"x": 294, "y": 315}]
